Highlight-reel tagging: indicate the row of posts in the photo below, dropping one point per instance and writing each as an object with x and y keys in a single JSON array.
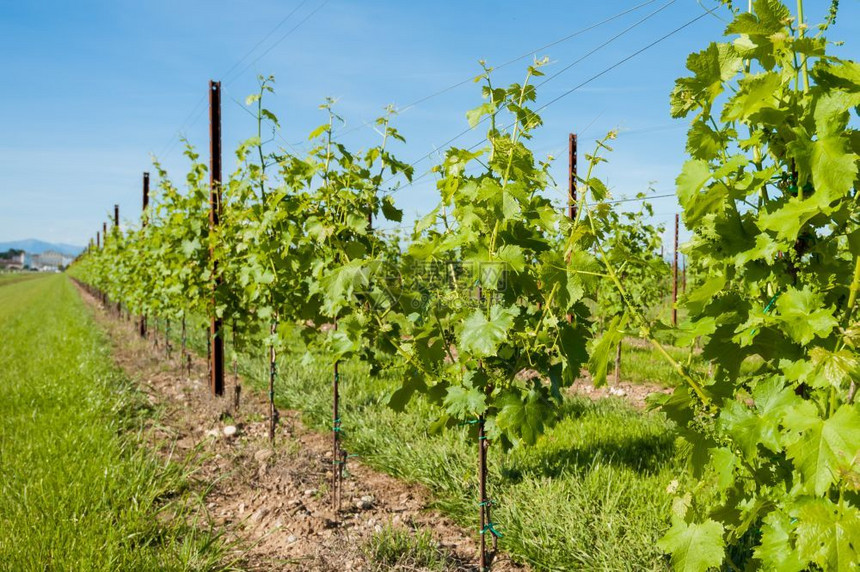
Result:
[{"x": 216, "y": 337}]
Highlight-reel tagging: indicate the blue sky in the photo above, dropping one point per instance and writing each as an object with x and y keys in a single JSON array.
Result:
[{"x": 92, "y": 88}]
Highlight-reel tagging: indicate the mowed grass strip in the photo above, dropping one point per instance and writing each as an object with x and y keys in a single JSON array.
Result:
[
  {"x": 7, "y": 278},
  {"x": 78, "y": 488}
]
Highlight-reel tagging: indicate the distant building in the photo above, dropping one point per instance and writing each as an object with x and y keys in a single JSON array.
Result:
[
  {"x": 50, "y": 261},
  {"x": 12, "y": 260}
]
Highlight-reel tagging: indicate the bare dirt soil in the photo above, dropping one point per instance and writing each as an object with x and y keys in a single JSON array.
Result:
[
  {"x": 272, "y": 501},
  {"x": 633, "y": 393}
]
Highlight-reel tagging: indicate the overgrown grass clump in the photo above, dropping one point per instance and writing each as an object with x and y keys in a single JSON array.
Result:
[
  {"x": 79, "y": 490},
  {"x": 397, "y": 548}
]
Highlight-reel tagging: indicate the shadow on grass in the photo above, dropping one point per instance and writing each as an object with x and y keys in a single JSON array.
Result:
[
  {"x": 592, "y": 434},
  {"x": 645, "y": 455}
]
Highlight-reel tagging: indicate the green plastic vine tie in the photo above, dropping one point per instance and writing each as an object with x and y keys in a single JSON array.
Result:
[
  {"x": 470, "y": 422},
  {"x": 770, "y": 304},
  {"x": 488, "y": 502},
  {"x": 490, "y": 527},
  {"x": 336, "y": 425},
  {"x": 768, "y": 308}
]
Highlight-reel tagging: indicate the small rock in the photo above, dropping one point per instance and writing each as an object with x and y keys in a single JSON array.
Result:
[
  {"x": 229, "y": 430},
  {"x": 212, "y": 433},
  {"x": 263, "y": 455},
  {"x": 310, "y": 492},
  {"x": 377, "y": 528},
  {"x": 260, "y": 514},
  {"x": 291, "y": 539},
  {"x": 241, "y": 508}
]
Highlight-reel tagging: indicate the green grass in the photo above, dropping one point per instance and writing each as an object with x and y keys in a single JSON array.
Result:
[
  {"x": 79, "y": 490},
  {"x": 641, "y": 363},
  {"x": 591, "y": 495},
  {"x": 7, "y": 278},
  {"x": 395, "y": 548}
]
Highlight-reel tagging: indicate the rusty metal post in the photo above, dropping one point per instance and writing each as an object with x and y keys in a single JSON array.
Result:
[
  {"x": 237, "y": 387},
  {"x": 116, "y": 233},
  {"x": 571, "y": 176},
  {"x": 273, "y": 412},
  {"x": 216, "y": 380},
  {"x": 684, "y": 275},
  {"x": 482, "y": 491},
  {"x": 144, "y": 221},
  {"x": 336, "y": 461},
  {"x": 571, "y": 186},
  {"x": 186, "y": 356},
  {"x": 144, "y": 214},
  {"x": 675, "y": 278},
  {"x": 104, "y": 240}
]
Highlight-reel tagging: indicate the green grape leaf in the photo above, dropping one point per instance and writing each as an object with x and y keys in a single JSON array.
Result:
[
  {"x": 481, "y": 336},
  {"x": 833, "y": 369},
  {"x": 694, "y": 547},
  {"x": 775, "y": 550},
  {"x": 464, "y": 402},
  {"x": 603, "y": 348},
  {"x": 761, "y": 426},
  {"x": 524, "y": 417},
  {"x": 743, "y": 425},
  {"x": 787, "y": 219},
  {"x": 768, "y": 17},
  {"x": 389, "y": 211},
  {"x": 703, "y": 142},
  {"x": 513, "y": 256},
  {"x": 412, "y": 383},
  {"x": 723, "y": 460},
  {"x": 829, "y": 534},
  {"x": 825, "y": 448},
  {"x": 832, "y": 112},
  {"x": 473, "y": 116},
  {"x": 833, "y": 169},
  {"x": 803, "y": 316},
  {"x": 756, "y": 92}
]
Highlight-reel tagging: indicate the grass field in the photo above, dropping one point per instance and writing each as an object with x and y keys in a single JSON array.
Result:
[
  {"x": 78, "y": 490},
  {"x": 13, "y": 277},
  {"x": 591, "y": 495}
]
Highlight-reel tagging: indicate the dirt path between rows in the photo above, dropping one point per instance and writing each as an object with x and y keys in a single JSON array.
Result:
[
  {"x": 634, "y": 393},
  {"x": 272, "y": 501}
]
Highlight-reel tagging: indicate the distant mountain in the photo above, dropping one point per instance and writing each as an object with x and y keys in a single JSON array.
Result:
[{"x": 35, "y": 246}]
